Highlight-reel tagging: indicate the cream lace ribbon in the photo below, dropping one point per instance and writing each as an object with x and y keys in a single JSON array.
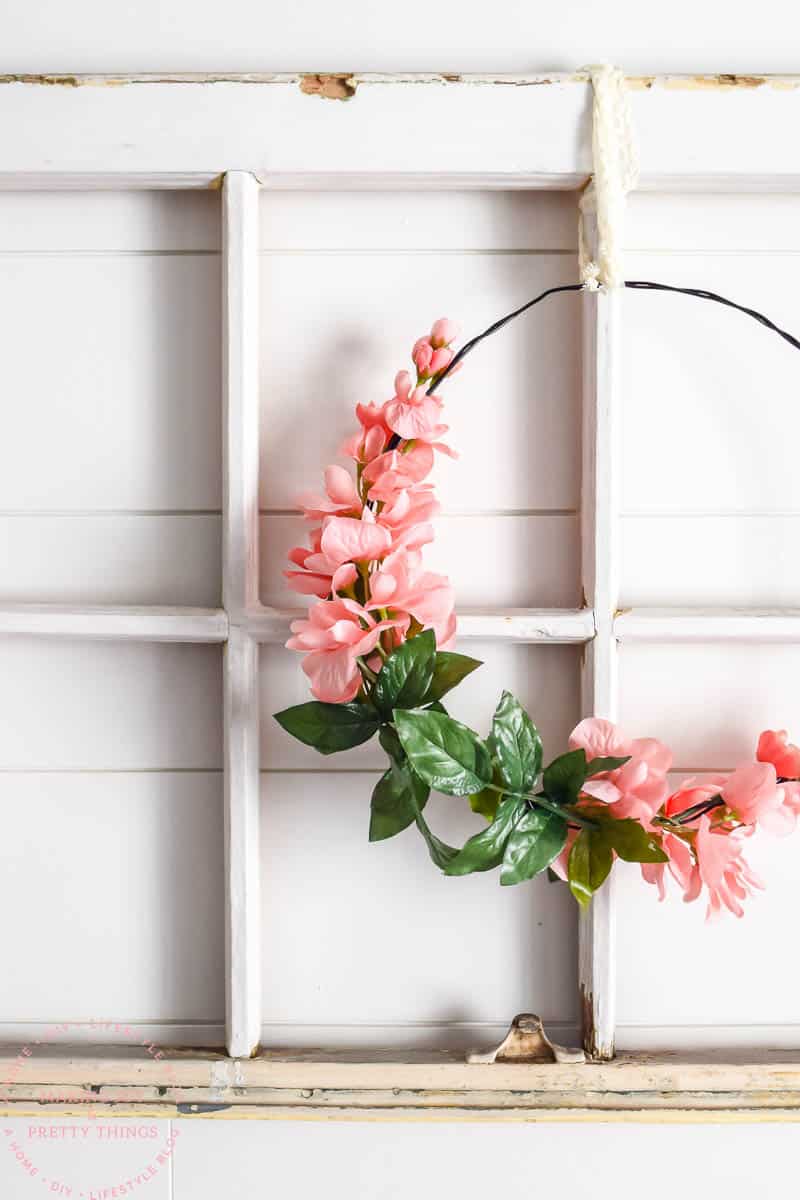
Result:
[{"x": 615, "y": 174}]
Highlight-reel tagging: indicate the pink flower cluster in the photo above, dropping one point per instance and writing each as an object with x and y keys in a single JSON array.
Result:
[
  {"x": 704, "y": 823},
  {"x": 363, "y": 561}
]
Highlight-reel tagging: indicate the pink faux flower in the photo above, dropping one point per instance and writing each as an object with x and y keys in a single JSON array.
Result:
[
  {"x": 330, "y": 564},
  {"x": 393, "y": 472},
  {"x": 753, "y": 795},
  {"x": 721, "y": 868},
  {"x": 637, "y": 789},
  {"x": 407, "y": 517},
  {"x": 681, "y": 867},
  {"x": 412, "y": 414},
  {"x": 774, "y": 747},
  {"x": 406, "y": 592},
  {"x": 336, "y": 634},
  {"x": 443, "y": 332},
  {"x": 341, "y": 496}
]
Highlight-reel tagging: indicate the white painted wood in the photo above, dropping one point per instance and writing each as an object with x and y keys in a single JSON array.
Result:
[
  {"x": 109, "y": 865},
  {"x": 380, "y": 914},
  {"x": 119, "y": 624},
  {"x": 111, "y": 559},
  {"x": 597, "y": 964},
  {"x": 336, "y": 329},
  {"x": 495, "y": 561},
  {"x": 545, "y": 678},
  {"x": 115, "y": 705},
  {"x": 692, "y": 131},
  {"x": 723, "y": 559},
  {"x": 242, "y": 861},
  {"x": 670, "y": 224},
  {"x": 240, "y": 593},
  {"x": 690, "y": 364},
  {"x": 762, "y": 626},
  {"x": 453, "y": 222},
  {"x": 525, "y": 626},
  {"x": 127, "y": 390},
  {"x": 125, "y": 222},
  {"x": 710, "y": 702}
]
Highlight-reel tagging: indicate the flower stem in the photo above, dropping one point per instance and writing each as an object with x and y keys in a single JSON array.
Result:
[{"x": 544, "y": 802}]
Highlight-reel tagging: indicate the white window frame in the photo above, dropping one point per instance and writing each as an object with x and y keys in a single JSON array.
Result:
[{"x": 248, "y": 133}]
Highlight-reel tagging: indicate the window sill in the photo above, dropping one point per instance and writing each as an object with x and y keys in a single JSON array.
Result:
[{"x": 761, "y": 1085}]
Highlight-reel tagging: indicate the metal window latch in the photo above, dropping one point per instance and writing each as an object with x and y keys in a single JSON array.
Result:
[{"x": 527, "y": 1042}]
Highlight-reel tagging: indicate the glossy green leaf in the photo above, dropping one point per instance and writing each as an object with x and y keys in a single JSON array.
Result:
[
  {"x": 329, "y": 727},
  {"x": 485, "y": 849},
  {"x": 397, "y": 799},
  {"x": 516, "y": 745},
  {"x": 448, "y": 756},
  {"x": 590, "y": 861},
  {"x": 605, "y": 764},
  {"x": 485, "y": 803},
  {"x": 565, "y": 776},
  {"x": 448, "y": 671},
  {"x": 406, "y": 676},
  {"x": 631, "y": 841},
  {"x": 538, "y": 838}
]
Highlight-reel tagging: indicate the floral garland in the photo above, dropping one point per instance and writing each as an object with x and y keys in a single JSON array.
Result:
[{"x": 378, "y": 652}]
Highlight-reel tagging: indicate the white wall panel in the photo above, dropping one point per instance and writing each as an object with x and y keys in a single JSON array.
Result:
[
  {"x": 110, "y": 305},
  {"x": 99, "y": 222},
  {"x": 112, "y": 366},
  {"x": 121, "y": 876},
  {"x": 77, "y": 706},
  {"x": 308, "y": 222},
  {"x": 338, "y": 325},
  {"x": 379, "y": 937},
  {"x": 103, "y": 558},
  {"x": 725, "y": 559},
  {"x": 709, "y": 702},
  {"x": 502, "y": 560}
]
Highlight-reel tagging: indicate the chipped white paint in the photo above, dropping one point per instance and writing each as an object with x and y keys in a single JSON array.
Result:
[
  {"x": 532, "y": 625},
  {"x": 94, "y": 623},
  {"x": 513, "y": 128}
]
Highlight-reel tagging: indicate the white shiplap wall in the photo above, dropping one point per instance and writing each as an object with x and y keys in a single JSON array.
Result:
[
  {"x": 110, "y": 493},
  {"x": 110, "y": 754},
  {"x": 711, "y": 515},
  {"x": 368, "y": 943}
]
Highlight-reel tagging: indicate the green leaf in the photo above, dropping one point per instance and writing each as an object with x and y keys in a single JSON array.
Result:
[
  {"x": 631, "y": 841},
  {"x": 590, "y": 861},
  {"x": 537, "y": 839},
  {"x": 406, "y": 675},
  {"x": 605, "y": 764},
  {"x": 397, "y": 799},
  {"x": 448, "y": 671},
  {"x": 448, "y": 756},
  {"x": 391, "y": 744},
  {"x": 329, "y": 727},
  {"x": 516, "y": 745},
  {"x": 485, "y": 849},
  {"x": 436, "y": 706},
  {"x": 440, "y": 852},
  {"x": 565, "y": 776},
  {"x": 485, "y": 803}
]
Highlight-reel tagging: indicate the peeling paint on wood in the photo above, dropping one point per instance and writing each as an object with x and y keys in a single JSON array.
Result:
[{"x": 329, "y": 87}]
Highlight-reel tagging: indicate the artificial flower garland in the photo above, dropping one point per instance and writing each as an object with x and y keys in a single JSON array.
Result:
[{"x": 378, "y": 652}]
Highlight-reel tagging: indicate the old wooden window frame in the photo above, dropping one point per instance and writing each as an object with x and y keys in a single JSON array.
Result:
[{"x": 246, "y": 133}]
